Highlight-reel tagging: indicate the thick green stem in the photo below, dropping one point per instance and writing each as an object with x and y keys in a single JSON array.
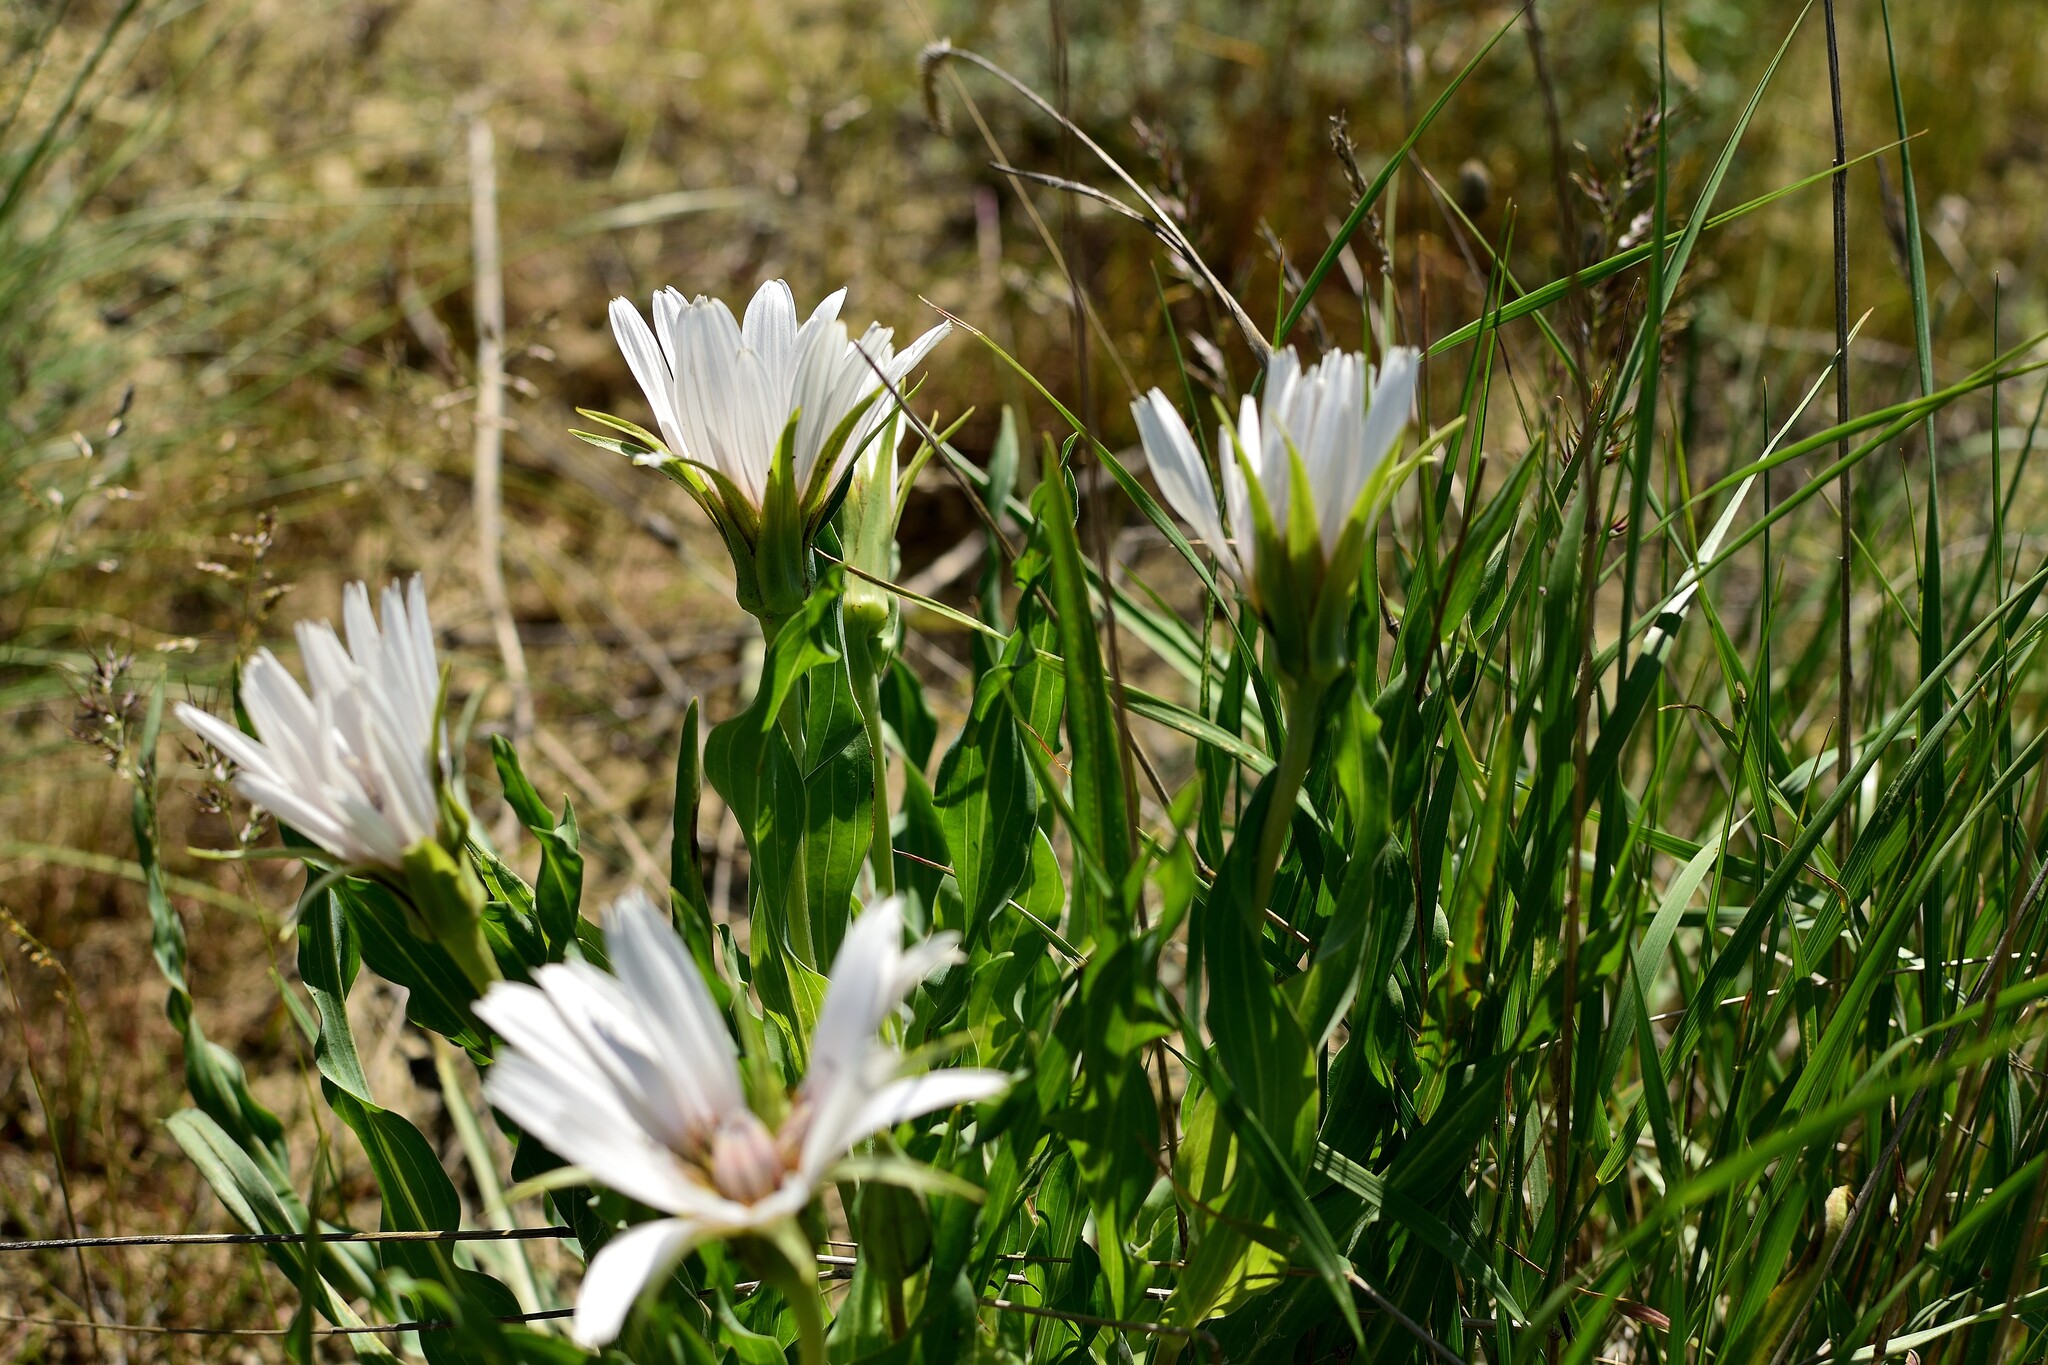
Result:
[
  {"x": 791, "y": 721},
  {"x": 1301, "y": 704},
  {"x": 899, "y": 1315},
  {"x": 867, "y": 660},
  {"x": 806, "y": 1304}
]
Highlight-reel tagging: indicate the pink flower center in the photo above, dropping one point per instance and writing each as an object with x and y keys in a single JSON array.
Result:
[{"x": 745, "y": 1165}]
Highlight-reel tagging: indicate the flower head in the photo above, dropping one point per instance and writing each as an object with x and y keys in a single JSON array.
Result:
[
  {"x": 762, "y": 417},
  {"x": 1297, "y": 471},
  {"x": 357, "y": 766},
  {"x": 634, "y": 1077}
]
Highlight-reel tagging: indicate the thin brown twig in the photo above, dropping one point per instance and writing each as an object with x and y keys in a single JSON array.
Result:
[{"x": 487, "y": 490}]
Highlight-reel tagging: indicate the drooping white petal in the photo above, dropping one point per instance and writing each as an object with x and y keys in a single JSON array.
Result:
[
  {"x": 646, "y": 358},
  {"x": 1182, "y": 474},
  {"x": 357, "y": 765},
  {"x": 623, "y": 1268}
]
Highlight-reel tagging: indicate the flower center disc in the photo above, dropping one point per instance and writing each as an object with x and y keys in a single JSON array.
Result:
[{"x": 745, "y": 1165}]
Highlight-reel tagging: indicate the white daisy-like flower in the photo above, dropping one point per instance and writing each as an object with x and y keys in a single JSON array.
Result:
[
  {"x": 357, "y": 766},
  {"x": 724, "y": 391},
  {"x": 1342, "y": 417},
  {"x": 633, "y": 1078}
]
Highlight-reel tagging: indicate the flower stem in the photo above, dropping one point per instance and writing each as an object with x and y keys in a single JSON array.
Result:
[
  {"x": 866, "y": 661},
  {"x": 1301, "y": 705},
  {"x": 791, "y": 721},
  {"x": 899, "y": 1317},
  {"x": 806, "y": 1304}
]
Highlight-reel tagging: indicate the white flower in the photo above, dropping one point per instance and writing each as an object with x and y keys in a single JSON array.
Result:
[
  {"x": 357, "y": 766},
  {"x": 1341, "y": 434},
  {"x": 723, "y": 392},
  {"x": 633, "y": 1078}
]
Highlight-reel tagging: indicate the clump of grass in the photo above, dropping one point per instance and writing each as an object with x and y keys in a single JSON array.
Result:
[{"x": 1687, "y": 1002}]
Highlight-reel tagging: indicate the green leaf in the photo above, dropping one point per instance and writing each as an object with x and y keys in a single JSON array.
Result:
[
  {"x": 558, "y": 891},
  {"x": 258, "y": 1206},
  {"x": 438, "y": 995},
  {"x": 987, "y": 802},
  {"x": 907, "y": 713},
  {"x": 839, "y": 792},
  {"x": 1099, "y": 800},
  {"x": 691, "y": 906},
  {"x": 328, "y": 958}
]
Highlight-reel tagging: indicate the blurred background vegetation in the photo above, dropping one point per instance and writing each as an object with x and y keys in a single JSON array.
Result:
[{"x": 237, "y": 367}]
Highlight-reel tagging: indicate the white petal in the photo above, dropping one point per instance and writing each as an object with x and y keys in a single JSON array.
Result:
[
  {"x": 862, "y": 993},
  {"x": 1253, "y": 436},
  {"x": 770, "y": 326},
  {"x": 707, "y": 344},
  {"x": 243, "y": 751},
  {"x": 828, "y": 308},
  {"x": 682, "y": 1021},
  {"x": 364, "y": 640},
  {"x": 575, "y": 1117},
  {"x": 668, "y": 306},
  {"x": 622, "y": 1269},
  {"x": 909, "y": 357},
  {"x": 1182, "y": 474},
  {"x": 914, "y": 1096},
  {"x": 315, "y": 819},
  {"x": 864, "y": 1106},
  {"x": 608, "y": 1022},
  {"x": 1393, "y": 400},
  {"x": 825, "y": 387},
  {"x": 650, "y": 366}
]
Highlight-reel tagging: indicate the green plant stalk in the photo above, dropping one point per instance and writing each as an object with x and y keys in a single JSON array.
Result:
[
  {"x": 476, "y": 1149},
  {"x": 867, "y": 658},
  {"x": 899, "y": 1315},
  {"x": 791, "y": 720},
  {"x": 806, "y": 1304},
  {"x": 1301, "y": 702}
]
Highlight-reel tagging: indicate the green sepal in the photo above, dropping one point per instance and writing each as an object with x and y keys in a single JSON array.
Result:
[
  {"x": 641, "y": 436},
  {"x": 450, "y": 902},
  {"x": 1329, "y": 628},
  {"x": 782, "y": 558},
  {"x": 818, "y": 501}
]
